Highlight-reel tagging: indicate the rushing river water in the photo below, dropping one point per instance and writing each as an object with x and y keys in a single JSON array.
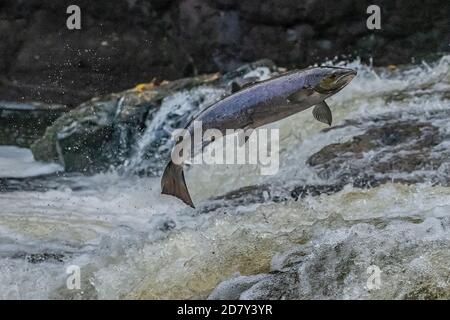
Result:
[{"x": 131, "y": 242}]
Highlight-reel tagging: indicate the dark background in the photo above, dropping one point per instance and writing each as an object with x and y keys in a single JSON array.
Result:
[{"x": 123, "y": 43}]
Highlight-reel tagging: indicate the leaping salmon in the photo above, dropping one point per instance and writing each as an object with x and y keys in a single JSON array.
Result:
[{"x": 261, "y": 103}]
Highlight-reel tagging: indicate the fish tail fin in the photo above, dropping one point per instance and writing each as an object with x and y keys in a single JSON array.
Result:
[{"x": 174, "y": 184}]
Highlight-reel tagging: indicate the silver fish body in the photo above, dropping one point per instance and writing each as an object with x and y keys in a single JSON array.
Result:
[
  {"x": 268, "y": 101},
  {"x": 259, "y": 104}
]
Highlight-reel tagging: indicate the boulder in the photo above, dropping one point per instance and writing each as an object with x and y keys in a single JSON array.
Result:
[
  {"x": 385, "y": 151},
  {"x": 342, "y": 258}
]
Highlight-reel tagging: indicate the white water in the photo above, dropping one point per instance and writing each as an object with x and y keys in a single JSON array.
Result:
[
  {"x": 132, "y": 242},
  {"x": 19, "y": 163}
]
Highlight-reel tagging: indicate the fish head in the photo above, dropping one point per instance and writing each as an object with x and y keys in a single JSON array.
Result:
[{"x": 330, "y": 80}]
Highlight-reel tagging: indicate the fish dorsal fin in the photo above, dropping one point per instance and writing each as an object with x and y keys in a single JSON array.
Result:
[
  {"x": 242, "y": 84},
  {"x": 300, "y": 95},
  {"x": 322, "y": 113}
]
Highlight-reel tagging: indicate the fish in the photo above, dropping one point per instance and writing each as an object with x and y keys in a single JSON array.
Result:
[{"x": 256, "y": 104}]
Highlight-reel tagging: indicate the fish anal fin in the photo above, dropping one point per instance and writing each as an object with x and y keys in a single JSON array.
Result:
[{"x": 322, "y": 113}]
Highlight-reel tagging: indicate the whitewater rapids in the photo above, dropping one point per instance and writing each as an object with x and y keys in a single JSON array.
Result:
[{"x": 132, "y": 242}]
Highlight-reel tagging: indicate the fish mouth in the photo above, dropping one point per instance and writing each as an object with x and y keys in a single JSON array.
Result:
[
  {"x": 335, "y": 81},
  {"x": 345, "y": 78}
]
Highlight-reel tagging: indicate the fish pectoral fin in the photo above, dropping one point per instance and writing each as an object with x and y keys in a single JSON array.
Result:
[
  {"x": 244, "y": 135},
  {"x": 300, "y": 95},
  {"x": 322, "y": 113}
]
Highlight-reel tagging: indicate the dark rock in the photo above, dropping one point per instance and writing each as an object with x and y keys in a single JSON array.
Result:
[
  {"x": 23, "y": 123},
  {"x": 259, "y": 194},
  {"x": 334, "y": 263},
  {"x": 242, "y": 196},
  {"x": 303, "y": 191},
  {"x": 41, "y": 183},
  {"x": 40, "y": 257},
  {"x": 394, "y": 147},
  {"x": 122, "y": 43},
  {"x": 232, "y": 289},
  {"x": 45, "y": 257}
]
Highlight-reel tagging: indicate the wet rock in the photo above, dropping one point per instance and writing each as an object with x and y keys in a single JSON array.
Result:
[
  {"x": 303, "y": 191},
  {"x": 21, "y": 124},
  {"x": 40, "y": 257},
  {"x": 384, "y": 150},
  {"x": 410, "y": 257},
  {"x": 242, "y": 196},
  {"x": 232, "y": 289},
  {"x": 264, "y": 193},
  {"x": 45, "y": 257},
  {"x": 42, "y": 183},
  {"x": 23, "y": 184}
]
